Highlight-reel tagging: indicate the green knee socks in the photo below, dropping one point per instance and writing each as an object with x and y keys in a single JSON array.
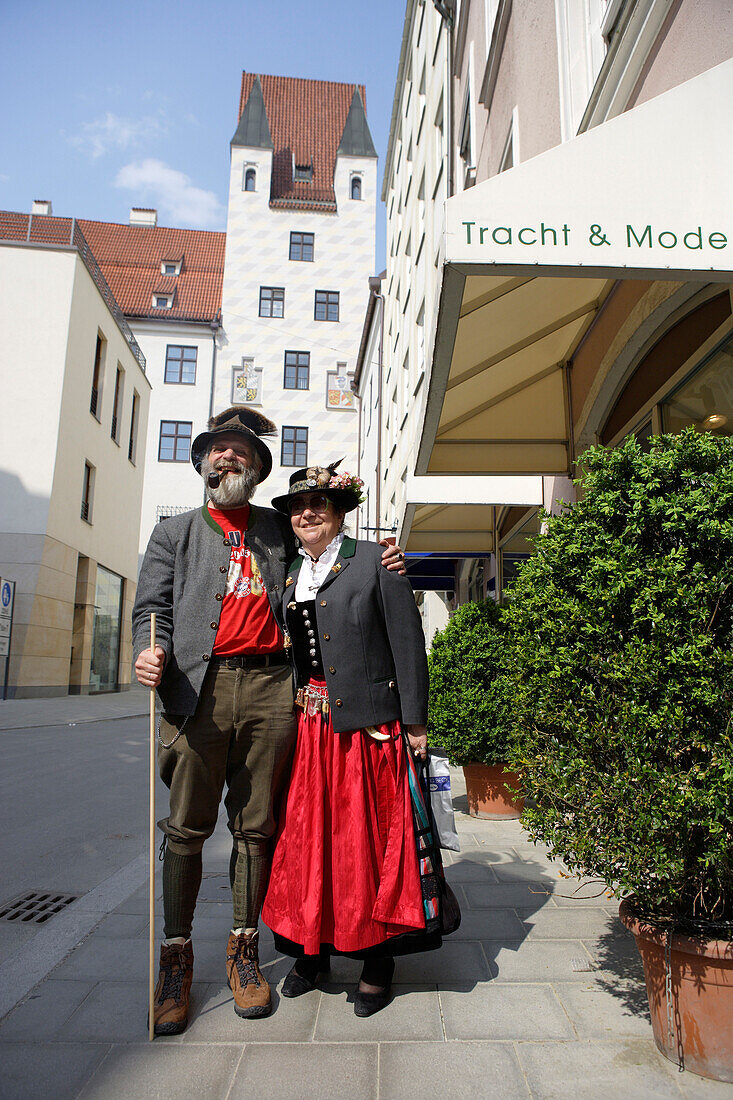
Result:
[
  {"x": 181, "y": 882},
  {"x": 249, "y": 869}
]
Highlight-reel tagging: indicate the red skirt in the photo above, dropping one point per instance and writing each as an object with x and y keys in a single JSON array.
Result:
[{"x": 344, "y": 870}]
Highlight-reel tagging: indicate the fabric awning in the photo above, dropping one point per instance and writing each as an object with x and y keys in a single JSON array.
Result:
[
  {"x": 448, "y": 514},
  {"x": 530, "y": 256}
]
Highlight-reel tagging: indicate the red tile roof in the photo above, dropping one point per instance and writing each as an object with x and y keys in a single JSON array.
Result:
[
  {"x": 130, "y": 257},
  {"x": 306, "y": 119}
]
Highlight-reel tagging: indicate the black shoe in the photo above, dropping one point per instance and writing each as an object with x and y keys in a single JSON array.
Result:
[
  {"x": 366, "y": 1004},
  {"x": 302, "y": 977}
]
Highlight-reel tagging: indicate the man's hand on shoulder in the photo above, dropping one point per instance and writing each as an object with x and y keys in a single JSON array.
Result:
[
  {"x": 149, "y": 667},
  {"x": 393, "y": 557}
]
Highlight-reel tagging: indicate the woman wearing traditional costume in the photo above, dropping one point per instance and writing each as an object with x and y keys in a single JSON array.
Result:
[{"x": 345, "y": 877}]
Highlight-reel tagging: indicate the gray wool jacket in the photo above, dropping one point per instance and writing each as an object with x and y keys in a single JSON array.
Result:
[
  {"x": 371, "y": 640},
  {"x": 183, "y": 579}
]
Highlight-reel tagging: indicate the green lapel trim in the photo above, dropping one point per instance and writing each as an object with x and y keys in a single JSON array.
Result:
[
  {"x": 348, "y": 548},
  {"x": 253, "y": 511},
  {"x": 295, "y": 564},
  {"x": 208, "y": 518}
]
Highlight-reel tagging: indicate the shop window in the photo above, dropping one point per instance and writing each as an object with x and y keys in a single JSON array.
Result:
[
  {"x": 517, "y": 547},
  {"x": 108, "y": 602},
  {"x": 657, "y": 368},
  {"x": 704, "y": 401}
]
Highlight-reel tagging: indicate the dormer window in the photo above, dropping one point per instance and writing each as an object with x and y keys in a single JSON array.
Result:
[
  {"x": 356, "y": 187},
  {"x": 303, "y": 171},
  {"x": 250, "y": 179},
  {"x": 171, "y": 267},
  {"x": 162, "y": 301}
]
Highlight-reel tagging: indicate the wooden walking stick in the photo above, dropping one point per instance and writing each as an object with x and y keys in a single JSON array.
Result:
[{"x": 151, "y": 914}]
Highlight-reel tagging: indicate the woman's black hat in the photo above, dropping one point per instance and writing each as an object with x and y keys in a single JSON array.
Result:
[{"x": 317, "y": 479}]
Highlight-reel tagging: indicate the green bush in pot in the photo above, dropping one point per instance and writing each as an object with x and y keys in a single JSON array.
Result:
[
  {"x": 470, "y": 714},
  {"x": 621, "y": 629}
]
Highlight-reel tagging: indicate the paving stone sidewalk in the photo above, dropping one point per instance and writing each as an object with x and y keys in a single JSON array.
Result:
[{"x": 539, "y": 994}]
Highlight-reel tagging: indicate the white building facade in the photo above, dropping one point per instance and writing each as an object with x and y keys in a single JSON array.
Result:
[
  {"x": 71, "y": 460},
  {"x": 300, "y": 246}
]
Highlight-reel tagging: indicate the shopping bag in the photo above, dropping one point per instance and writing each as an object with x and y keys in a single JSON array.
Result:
[
  {"x": 441, "y": 803},
  {"x": 442, "y": 912}
]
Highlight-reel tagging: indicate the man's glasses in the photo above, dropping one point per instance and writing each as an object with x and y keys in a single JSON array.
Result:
[{"x": 317, "y": 503}]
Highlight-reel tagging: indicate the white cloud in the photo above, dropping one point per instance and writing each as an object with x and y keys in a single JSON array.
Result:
[
  {"x": 113, "y": 132},
  {"x": 171, "y": 192}
]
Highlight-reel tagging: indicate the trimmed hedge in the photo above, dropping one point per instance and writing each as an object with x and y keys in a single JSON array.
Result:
[
  {"x": 621, "y": 630},
  {"x": 470, "y": 713}
]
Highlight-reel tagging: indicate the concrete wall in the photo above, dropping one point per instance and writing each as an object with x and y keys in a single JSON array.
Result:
[
  {"x": 696, "y": 35},
  {"x": 527, "y": 88}
]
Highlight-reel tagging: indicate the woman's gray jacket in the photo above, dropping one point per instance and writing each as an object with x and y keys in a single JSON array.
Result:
[{"x": 371, "y": 640}]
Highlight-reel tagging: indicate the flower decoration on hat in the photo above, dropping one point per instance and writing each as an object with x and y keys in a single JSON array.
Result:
[{"x": 349, "y": 482}]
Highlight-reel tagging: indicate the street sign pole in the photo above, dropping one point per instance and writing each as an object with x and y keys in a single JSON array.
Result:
[{"x": 7, "y": 603}]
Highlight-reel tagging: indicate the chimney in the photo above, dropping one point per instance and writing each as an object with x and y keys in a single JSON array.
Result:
[
  {"x": 42, "y": 206},
  {"x": 143, "y": 215}
]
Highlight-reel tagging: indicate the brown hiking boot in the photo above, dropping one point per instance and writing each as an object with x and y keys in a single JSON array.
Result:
[
  {"x": 173, "y": 991},
  {"x": 246, "y": 981}
]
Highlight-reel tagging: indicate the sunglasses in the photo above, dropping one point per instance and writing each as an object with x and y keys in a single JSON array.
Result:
[{"x": 317, "y": 503}]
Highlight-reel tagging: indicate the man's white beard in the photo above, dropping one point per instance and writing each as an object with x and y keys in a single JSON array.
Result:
[{"x": 235, "y": 489}]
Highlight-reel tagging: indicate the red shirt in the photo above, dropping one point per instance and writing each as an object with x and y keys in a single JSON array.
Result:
[{"x": 247, "y": 624}]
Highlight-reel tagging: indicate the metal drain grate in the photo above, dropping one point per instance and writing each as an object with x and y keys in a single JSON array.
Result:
[{"x": 35, "y": 907}]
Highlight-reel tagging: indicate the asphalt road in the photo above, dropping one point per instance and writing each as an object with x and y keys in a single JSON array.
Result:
[{"x": 73, "y": 809}]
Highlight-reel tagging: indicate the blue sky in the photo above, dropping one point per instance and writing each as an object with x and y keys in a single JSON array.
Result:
[{"x": 119, "y": 105}]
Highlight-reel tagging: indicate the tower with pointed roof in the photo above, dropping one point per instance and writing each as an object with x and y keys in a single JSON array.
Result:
[{"x": 300, "y": 246}]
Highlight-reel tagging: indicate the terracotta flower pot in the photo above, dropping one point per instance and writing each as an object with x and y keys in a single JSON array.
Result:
[
  {"x": 701, "y": 997},
  {"x": 487, "y": 794}
]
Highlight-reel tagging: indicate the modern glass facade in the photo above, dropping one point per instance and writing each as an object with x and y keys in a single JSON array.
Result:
[{"x": 104, "y": 674}]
